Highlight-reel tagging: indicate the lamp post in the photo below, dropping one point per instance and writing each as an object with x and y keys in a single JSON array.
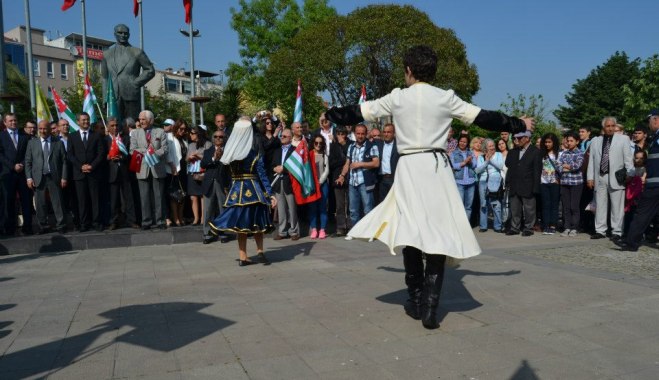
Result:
[{"x": 191, "y": 34}]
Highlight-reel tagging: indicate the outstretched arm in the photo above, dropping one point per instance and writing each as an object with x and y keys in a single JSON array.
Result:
[
  {"x": 348, "y": 115},
  {"x": 500, "y": 122}
]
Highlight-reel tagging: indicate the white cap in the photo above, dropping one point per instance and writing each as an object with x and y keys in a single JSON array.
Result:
[
  {"x": 168, "y": 122},
  {"x": 205, "y": 128}
]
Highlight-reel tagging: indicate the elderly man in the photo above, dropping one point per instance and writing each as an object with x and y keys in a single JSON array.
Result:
[
  {"x": 86, "y": 153},
  {"x": 609, "y": 154},
  {"x": 524, "y": 164},
  {"x": 221, "y": 123},
  {"x": 389, "y": 159},
  {"x": 46, "y": 170},
  {"x": 647, "y": 207},
  {"x": 152, "y": 144},
  {"x": 215, "y": 185}
]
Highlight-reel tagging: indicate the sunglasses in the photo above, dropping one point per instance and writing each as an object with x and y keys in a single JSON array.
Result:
[
  {"x": 218, "y": 137},
  {"x": 317, "y": 143},
  {"x": 193, "y": 132}
]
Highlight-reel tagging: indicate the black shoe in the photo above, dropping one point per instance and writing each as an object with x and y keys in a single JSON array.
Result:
[
  {"x": 225, "y": 239},
  {"x": 146, "y": 228},
  {"x": 162, "y": 226},
  {"x": 262, "y": 259},
  {"x": 432, "y": 287},
  {"x": 413, "y": 262},
  {"x": 527, "y": 233},
  {"x": 482, "y": 230},
  {"x": 209, "y": 240},
  {"x": 512, "y": 232},
  {"x": 624, "y": 247},
  {"x": 112, "y": 227},
  {"x": 616, "y": 238},
  {"x": 597, "y": 236},
  {"x": 498, "y": 231},
  {"x": 244, "y": 263}
]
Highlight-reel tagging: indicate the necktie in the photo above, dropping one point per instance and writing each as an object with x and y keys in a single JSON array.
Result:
[
  {"x": 604, "y": 164},
  {"x": 14, "y": 138},
  {"x": 84, "y": 138},
  {"x": 46, "y": 156}
]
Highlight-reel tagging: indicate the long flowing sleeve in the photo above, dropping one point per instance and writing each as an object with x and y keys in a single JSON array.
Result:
[{"x": 260, "y": 170}]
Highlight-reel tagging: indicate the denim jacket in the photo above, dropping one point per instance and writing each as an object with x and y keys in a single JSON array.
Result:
[
  {"x": 490, "y": 171},
  {"x": 465, "y": 175}
]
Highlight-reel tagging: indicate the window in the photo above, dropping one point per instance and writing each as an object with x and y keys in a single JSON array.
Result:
[
  {"x": 36, "y": 67},
  {"x": 50, "y": 69},
  {"x": 64, "y": 72},
  {"x": 186, "y": 87},
  {"x": 172, "y": 85}
]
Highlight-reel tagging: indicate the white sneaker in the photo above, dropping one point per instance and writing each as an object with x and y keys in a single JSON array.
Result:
[
  {"x": 573, "y": 233},
  {"x": 349, "y": 237},
  {"x": 566, "y": 233}
]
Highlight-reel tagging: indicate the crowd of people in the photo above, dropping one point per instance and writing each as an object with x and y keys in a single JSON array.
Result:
[{"x": 569, "y": 184}]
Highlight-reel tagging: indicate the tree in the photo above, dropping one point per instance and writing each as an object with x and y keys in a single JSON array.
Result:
[
  {"x": 533, "y": 106},
  {"x": 17, "y": 84},
  {"x": 641, "y": 94},
  {"x": 599, "y": 94},
  {"x": 264, "y": 26},
  {"x": 227, "y": 102},
  {"x": 339, "y": 54}
]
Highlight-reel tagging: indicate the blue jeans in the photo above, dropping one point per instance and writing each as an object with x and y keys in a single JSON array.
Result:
[
  {"x": 319, "y": 207},
  {"x": 467, "y": 195},
  {"x": 486, "y": 204},
  {"x": 359, "y": 198}
]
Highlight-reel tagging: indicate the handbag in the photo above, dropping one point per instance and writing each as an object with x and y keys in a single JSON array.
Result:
[
  {"x": 177, "y": 194},
  {"x": 135, "y": 162},
  {"x": 621, "y": 176}
]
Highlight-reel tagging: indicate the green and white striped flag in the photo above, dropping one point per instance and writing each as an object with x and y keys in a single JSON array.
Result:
[{"x": 64, "y": 112}]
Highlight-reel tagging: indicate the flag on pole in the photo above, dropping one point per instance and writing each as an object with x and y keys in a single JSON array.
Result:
[
  {"x": 303, "y": 174},
  {"x": 90, "y": 101},
  {"x": 362, "y": 97},
  {"x": 117, "y": 148},
  {"x": 111, "y": 100},
  {"x": 64, "y": 112},
  {"x": 43, "y": 112},
  {"x": 187, "y": 4},
  {"x": 136, "y": 7},
  {"x": 68, "y": 4},
  {"x": 297, "y": 114}
]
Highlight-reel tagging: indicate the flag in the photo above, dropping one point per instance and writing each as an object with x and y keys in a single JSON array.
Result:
[
  {"x": 110, "y": 100},
  {"x": 150, "y": 157},
  {"x": 68, "y": 4},
  {"x": 43, "y": 112},
  {"x": 64, "y": 112},
  {"x": 362, "y": 97},
  {"x": 117, "y": 148},
  {"x": 303, "y": 174},
  {"x": 297, "y": 114},
  {"x": 136, "y": 7},
  {"x": 90, "y": 101},
  {"x": 187, "y": 4}
]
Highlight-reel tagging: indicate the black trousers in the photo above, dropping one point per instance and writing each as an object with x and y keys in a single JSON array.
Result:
[
  {"x": 413, "y": 258},
  {"x": 14, "y": 183},
  {"x": 646, "y": 209},
  {"x": 87, "y": 192},
  {"x": 571, "y": 199},
  {"x": 519, "y": 205}
]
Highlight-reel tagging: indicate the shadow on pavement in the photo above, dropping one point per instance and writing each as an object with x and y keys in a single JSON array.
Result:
[
  {"x": 455, "y": 296},
  {"x": 287, "y": 253},
  {"x": 525, "y": 372},
  {"x": 3, "y": 279},
  {"x": 183, "y": 323},
  {"x": 22, "y": 257}
]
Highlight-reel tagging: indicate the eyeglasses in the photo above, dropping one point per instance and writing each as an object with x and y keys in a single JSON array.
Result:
[
  {"x": 285, "y": 137},
  {"x": 268, "y": 123},
  {"x": 218, "y": 137},
  {"x": 316, "y": 143}
]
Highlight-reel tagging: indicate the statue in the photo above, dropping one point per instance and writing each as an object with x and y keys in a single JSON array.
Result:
[{"x": 122, "y": 62}]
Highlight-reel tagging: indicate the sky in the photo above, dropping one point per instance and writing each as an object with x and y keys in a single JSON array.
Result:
[{"x": 530, "y": 47}]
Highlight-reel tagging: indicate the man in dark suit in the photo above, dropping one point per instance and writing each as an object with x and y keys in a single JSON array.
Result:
[
  {"x": 69, "y": 199},
  {"x": 46, "y": 170},
  {"x": 13, "y": 145},
  {"x": 281, "y": 186},
  {"x": 118, "y": 176},
  {"x": 85, "y": 151},
  {"x": 215, "y": 185},
  {"x": 389, "y": 153},
  {"x": 524, "y": 167},
  {"x": 130, "y": 70}
]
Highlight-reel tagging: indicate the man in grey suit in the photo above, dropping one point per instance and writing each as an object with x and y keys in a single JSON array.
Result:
[
  {"x": 151, "y": 177},
  {"x": 609, "y": 153},
  {"x": 123, "y": 63},
  {"x": 46, "y": 169}
]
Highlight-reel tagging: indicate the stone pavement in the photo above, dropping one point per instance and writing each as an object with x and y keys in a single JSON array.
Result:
[{"x": 543, "y": 307}]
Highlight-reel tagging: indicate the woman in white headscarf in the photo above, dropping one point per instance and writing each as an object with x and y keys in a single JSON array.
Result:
[{"x": 246, "y": 207}]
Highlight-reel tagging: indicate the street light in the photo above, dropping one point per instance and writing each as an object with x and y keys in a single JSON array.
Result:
[{"x": 191, "y": 33}]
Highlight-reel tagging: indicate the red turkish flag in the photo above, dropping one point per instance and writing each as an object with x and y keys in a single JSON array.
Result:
[
  {"x": 187, "y": 4},
  {"x": 136, "y": 7},
  {"x": 68, "y": 4}
]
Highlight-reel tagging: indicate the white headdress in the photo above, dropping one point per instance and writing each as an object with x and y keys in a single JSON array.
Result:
[{"x": 240, "y": 141}]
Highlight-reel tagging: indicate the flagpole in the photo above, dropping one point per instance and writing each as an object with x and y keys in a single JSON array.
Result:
[
  {"x": 101, "y": 113},
  {"x": 30, "y": 62},
  {"x": 192, "y": 76},
  {"x": 84, "y": 39},
  {"x": 142, "y": 103}
]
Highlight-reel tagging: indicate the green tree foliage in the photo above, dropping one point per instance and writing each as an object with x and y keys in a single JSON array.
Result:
[
  {"x": 642, "y": 93},
  {"x": 336, "y": 56},
  {"x": 227, "y": 102},
  {"x": 17, "y": 85},
  {"x": 164, "y": 107},
  {"x": 533, "y": 106},
  {"x": 599, "y": 94},
  {"x": 263, "y": 27}
]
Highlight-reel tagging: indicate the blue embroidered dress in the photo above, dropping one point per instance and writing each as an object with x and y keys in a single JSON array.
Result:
[{"x": 246, "y": 209}]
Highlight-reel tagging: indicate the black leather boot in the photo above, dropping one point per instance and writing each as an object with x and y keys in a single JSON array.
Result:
[
  {"x": 432, "y": 288},
  {"x": 414, "y": 281}
]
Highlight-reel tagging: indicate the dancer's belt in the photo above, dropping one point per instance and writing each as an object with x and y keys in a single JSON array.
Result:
[{"x": 434, "y": 152}]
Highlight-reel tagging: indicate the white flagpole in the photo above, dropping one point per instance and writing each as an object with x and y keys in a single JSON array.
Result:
[
  {"x": 30, "y": 59},
  {"x": 139, "y": 2},
  {"x": 84, "y": 38}
]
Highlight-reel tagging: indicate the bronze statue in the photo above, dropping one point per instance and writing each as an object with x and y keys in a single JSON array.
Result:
[{"x": 123, "y": 63}]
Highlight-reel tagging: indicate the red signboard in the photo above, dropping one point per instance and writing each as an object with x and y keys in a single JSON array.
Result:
[{"x": 91, "y": 53}]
